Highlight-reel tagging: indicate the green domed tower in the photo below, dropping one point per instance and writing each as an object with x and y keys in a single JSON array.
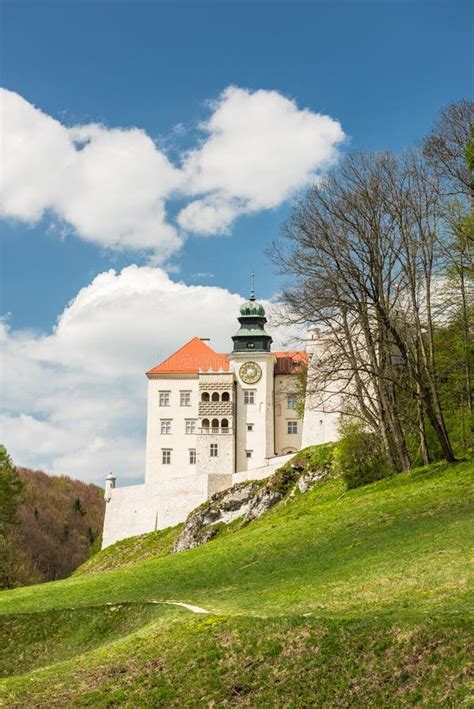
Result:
[{"x": 252, "y": 336}]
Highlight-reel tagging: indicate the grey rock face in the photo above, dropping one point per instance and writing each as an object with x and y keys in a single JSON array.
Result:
[
  {"x": 247, "y": 500},
  {"x": 309, "y": 480},
  {"x": 224, "y": 507},
  {"x": 261, "y": 503}
]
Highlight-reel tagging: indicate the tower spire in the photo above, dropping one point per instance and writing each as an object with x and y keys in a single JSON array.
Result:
[
  {"x": 252, "y": 289},
  {"x": 252, "y": 334}
]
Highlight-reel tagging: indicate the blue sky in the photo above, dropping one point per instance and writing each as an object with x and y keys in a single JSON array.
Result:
[
  {"x": 137, "y": 133},
  {"x": 382, "y": 69}
]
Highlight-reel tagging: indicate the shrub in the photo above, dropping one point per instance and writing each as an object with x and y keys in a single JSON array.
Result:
[
  {"x": 359, "y": 456},
  {"x": 320, "y": 456}
]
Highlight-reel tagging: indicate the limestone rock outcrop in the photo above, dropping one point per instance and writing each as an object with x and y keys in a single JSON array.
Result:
[{"x": 246, "y": 502}]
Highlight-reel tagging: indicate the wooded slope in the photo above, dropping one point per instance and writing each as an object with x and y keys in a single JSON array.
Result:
[{"x": 58, "y": 524}]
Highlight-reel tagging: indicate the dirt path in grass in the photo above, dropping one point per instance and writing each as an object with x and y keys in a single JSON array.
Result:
[{"x": 193, "y": 609}]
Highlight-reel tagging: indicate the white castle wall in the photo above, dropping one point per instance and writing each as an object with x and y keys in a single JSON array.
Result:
[
  {"x": 178, "y": 441},
  {"x": 138, "y": 509},
  {"x": 264, "y": 471},
  {"x": 131, "y": 510},
  {"x": 224, "y": 461},
  {"x": 286, "y": 384},
  {"x": 321, "y": 417}
]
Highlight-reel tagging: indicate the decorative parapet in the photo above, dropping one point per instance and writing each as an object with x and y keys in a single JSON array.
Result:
[
  {"x": 216, "y": 385},
  {"x": 215, "y": 408}
]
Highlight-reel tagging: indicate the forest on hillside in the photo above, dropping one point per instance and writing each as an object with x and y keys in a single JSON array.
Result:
[{"x": 49, "y": 524}]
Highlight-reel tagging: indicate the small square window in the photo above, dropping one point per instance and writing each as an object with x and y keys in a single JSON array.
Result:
[
  {"x": 292, "y": 400},
  {"x": 250, "y": 427},
  {"x": 165, "y": 427},
  {"x": 166, "y": 457},
  {"x": 292, "y": 426},
  {"x": 190, "y": 426},
  {"x": 192, "y": 456},
  {"x": 248, "y": 454},
  {"x": 214, "y": 450},
  {"x": 249, "y": 396},
  {"x": 164, "y": 398},
  {"x": 185, "y": 398}
]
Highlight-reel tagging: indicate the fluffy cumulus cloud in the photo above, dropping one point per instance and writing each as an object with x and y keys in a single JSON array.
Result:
[
  {"x": 113, "y": 185},
  {"x": 260, "y": 148},
  {"x": 74, "y": 400},
  {"x": 110, "y": 185}
]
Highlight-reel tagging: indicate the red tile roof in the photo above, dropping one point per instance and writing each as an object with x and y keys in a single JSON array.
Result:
[
  {"x": 196, "y": 356},
  {"x": 289, "y": 362},
  {"x": 193, "y": 357}
]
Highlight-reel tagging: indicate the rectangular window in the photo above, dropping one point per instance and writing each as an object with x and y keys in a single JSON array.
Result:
[
  {"x": 166, "y": 456},
  {"x": 165, "y": 426},
  {"x": 214, "y": 450},
  {"x": 164, "y": 398},
  {"x": 292, "y": 400},
  {"x": 250, "y": 427},
  {"x": 190, "y": 425},
  {"x": 192, "y": 456},
  {"x": 292, "y": 426},
  {"x": 249, "y": 396},
  {"x": 185, "y": 398},
  {"x": 248, "y": 454}
]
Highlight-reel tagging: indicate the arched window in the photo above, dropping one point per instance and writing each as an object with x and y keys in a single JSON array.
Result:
[
  {"x": 205, "y": 396},
  {"x": 215, "y": 396},
  {"x": 225, "y": 396},
  {"x": 215, "y": 425},
  {"x": 205, "y": 423},
  {"x": 224, "y": 424}
]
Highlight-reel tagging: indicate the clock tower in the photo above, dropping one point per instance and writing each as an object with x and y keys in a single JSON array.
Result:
[
  {"x": 252, "y": 336},
  {"x": 252, "y": 362}
]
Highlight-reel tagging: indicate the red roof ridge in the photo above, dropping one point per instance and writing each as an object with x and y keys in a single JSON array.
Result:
[{"x": 198, "y": 349}]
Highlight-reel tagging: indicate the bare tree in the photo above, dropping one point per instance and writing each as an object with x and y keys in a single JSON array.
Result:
[
  {"x": 445, "y": 148},
  {"x": 361, "y": 251}
]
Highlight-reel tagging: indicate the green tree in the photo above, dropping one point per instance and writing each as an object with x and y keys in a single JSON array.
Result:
[
  {"x": 359, "y": 455},
  {"x": 11, "y": 489}
]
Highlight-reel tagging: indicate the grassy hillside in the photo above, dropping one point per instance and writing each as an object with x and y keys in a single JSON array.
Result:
[
  {"x": 336, "y": 598},
  {"x": 131, "y": 551}
]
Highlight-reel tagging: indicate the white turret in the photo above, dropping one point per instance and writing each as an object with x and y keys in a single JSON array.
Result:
[{"x": 109, "y": 486}]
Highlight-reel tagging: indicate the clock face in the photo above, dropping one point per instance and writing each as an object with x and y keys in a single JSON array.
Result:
[{"x": 250, "y": 372}]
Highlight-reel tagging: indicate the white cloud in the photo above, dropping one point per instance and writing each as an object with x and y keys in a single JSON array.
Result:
[
  {"x": 210, "y": 215},
  {"x": 260, "y": 149},
  {"x": 74, "y": 401},
  {"x": 113, "y": 185},
  {"x": 110, "y": 185}
]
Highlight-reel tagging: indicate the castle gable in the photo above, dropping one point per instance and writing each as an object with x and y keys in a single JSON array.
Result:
[
  {"x": 290, "y": 362},
  {"x": 194, "y": 357}
]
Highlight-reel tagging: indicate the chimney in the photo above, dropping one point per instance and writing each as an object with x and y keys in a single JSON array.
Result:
[{"x": 205, "y": 339}]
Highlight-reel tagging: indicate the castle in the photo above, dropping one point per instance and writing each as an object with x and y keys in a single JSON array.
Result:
[{"x": 215, "y": 420}]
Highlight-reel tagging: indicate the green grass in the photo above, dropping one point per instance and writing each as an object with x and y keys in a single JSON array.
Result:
[
  {"x": 131, "y": 551},
  {"x": 335, "y": 598}
]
